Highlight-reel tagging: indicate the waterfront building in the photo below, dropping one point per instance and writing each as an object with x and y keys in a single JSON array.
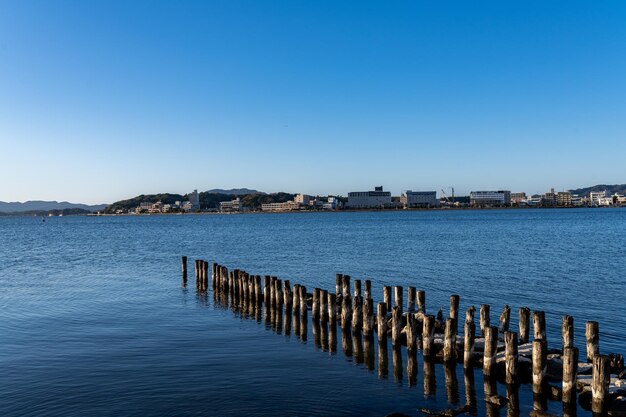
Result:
[
  {"x": 230, "y": 206},
  {"x": 549, "y": 198},
  {"x": 595, "y": 197},
  {"x": 369, "y": 199},
  {"x": 423, "y": 199},
  {"x": 577, "y": 200},
  {"x": 145, "y": 207},
  {"x": 518, "y": 198},
  {"x": 490, "y": 198},
  {"x": 286, "y": 206},
  {"x": 563, "y": 198},
  {"x": 194, "y": 199},
  {"x": 331, "y": 204},
  {"x": 302, "y": 199}
]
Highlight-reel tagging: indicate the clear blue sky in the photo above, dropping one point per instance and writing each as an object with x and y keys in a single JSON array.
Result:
[{"x": 101, "y": 101}]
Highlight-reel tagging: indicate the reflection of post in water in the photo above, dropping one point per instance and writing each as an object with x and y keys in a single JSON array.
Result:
[
  {"x": 452, "y": 384},
  {"x": 512, "y": 396},
  {"x": 357, "y": 342},
  {"x": 258, "y": 312},
  {"x": 383, "y": 358},
  {"x": 332, "y": 336},
  {"x": 315, "y": 325},
  {"x": 397, "y": 363},
  {"x": 324, "y": 335},
  {"x": 540, "y": 402},
  {"x": 268, "y": 316},
  {"x": 304, "y": 324},
  {"x": 279, "y": 318},
  {"x": 430, "y": 385},
  {"x": 288, "y": 314},
  {"x": 470, "y": 389},
  {"x": 368, "y": 349},
  {"x": 411, "y": 366},
  {"x": 491, "y": 392},
  {"x": 346, "y": 341},
  {"x": 296, "y": 324}
]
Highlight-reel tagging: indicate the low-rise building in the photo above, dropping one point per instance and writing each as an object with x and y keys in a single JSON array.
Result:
[
  {"x": 302, "y": 199},
  {"x": 369, "y": 199},
  {"x": 331, "y": 204},
  {"x": 564, "y": 198},
  {"x": 549, "y": 198},
  {"x": 518, "y": 198},
  {"x": 596, "y": 196},
  {"x": 490, "y": 198},
  {"x": 286, "y": 206},
  {"x": 424, "y": 199},
  {"x": 230, "y": 206}
]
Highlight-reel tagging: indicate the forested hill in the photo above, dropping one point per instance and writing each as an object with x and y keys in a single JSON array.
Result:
[
  {"x": 610, "y": 189},
  {"x": 208, "y": 200}
]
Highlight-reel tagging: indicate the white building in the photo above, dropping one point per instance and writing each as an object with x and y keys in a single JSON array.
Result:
[
  {"x": 229, "y": 206},
  {"x": 490, "y": 198},
  {"x": 595, "y": 197},
  {"x": 302, "y": 199},
  {"x": 369, "y": 199},
  {"x": 420, "y": 199},
  {"x": 194, "y": 199},
  {"x": 331, "y": 204},
  {"x": 286, "y": 206}
]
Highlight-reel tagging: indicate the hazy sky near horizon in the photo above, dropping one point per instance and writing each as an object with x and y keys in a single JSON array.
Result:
[{"x": 101, "y": 101}]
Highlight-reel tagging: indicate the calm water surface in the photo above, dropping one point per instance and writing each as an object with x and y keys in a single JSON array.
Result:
[{"x": 93, "y": 319}]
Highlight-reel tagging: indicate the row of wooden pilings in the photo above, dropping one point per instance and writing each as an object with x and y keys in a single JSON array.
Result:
[{"x": 417, "y": 330}]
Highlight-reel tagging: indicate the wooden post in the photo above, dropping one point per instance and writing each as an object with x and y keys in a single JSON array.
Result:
[
  {"x": 346, "y": 285},
  {"x": 468, "y": 347},
  {"x": 357, "y": 312},
  {"x": 398, "y": 296},
  {"x": 387, "y": 297},
  {"x": 288, "y": 293},
  {"x": 368, "y": 289},
  {"x": 539, "y": 365},
  {"x": 449, "y": 341},
  {"x": 412, "y": 299},
  {"x": 296, "y": 299},
  {"x": 504, "y": 319},
  {"x": 266, "y": 289},
  {"x": 324, "y": 306},
  {"x": 346, "y": 311},
  {"x": 411, "y": 333},
  {"x": 396, "y": 323},
  {"x": 279, "y": 293},
  {"x": 469, "y": 314},
  {"x": 489, "y": 354},
  {"x": 368, "y": 316},
  {"x": 511, "y": 357},
  {"x": 428, "y": 334},
  {"x": 567, "y": 332},
  {"x": 357, "y": 288},
  {"x": 332, "y": 308},
  {"x": 315, "y": 308},
  {"x": 570, "y": 371},
  {"x": 184, "y": 261},
  {"x": 421, "y": 301},
  {"x": 303, "y": 303},
  {"x": 484, "y": 318},
  {"x": 258, "y": 293},
  {"x": 381, "y": 321},
  {"x": 601, "y": 378},
  {"x": 524, "y": 324},
  {"x": 338, "y": 284},
  {"x": 539, "y": 325},
  {"x": 592, "y": 334},
  {"x": 454, "y": 311}
]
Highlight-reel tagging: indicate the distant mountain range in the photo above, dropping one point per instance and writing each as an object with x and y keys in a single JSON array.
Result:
[
  {"x": 234, "y": 191},
  {"x": 17, "y": 207},
  {"x": 610, "y": 189}
]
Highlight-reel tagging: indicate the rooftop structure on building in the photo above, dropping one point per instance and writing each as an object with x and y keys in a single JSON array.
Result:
[{"x": 369, "y": 199}]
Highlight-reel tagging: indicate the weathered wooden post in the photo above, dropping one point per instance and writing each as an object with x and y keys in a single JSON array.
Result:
[
  {"x": 368, "y": 317},
  {"x": 357, "y": 313},
  {"x": 489, "y": 353},
  {"x": 524, "y": 324},
  {"x": 346, "y": 285},
  {"x": 504, "y": 319},
  {"x": 357, "y": 288},
  {"x": 387, "y": 297},
  {"x": 539, "y": 325},
  {"x": 421, "y": 301},
  {"x": 279, "y": 293},
  {"x": 567, "y": 332},
  {"x": 484, "y": 318},
  {"x": 601, "y": 378},
  {"x": 454, "y": 311},
  {"x": 381, "y": 321},
  {"x": 469, "y": 314},
  {"x": 288, "y": 293},
  {"x": 315, "y": 308},
  {"x": 570, "y": 371},
  {"x": 468, "y": 347},
  {"x": 592, "y": 335},
  {"x": 411, "y": 334},
  {"x": 303, "y": 303},
  {"x": 346, "y": 311},
  {"x": 449, "y": 341},
  {"x": 428, "y": 334},
  {"x": 511, "y": 357},
  {"x": 184, "y": 261},
  {"x": 266, "y": 289},
  {"x": 296, "y": 299},
  {"x": 412, "y": 299},
  {"x": 332, "y": 308},
  {"x": 368, "y": 289},
  {"x": 396, "y": 323},
  {"x": 324, "y": 306},
  {"x": 540, "y": 348},
  {"x": 258, "y": 292},
  {"x": 398, "y": 297}
]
